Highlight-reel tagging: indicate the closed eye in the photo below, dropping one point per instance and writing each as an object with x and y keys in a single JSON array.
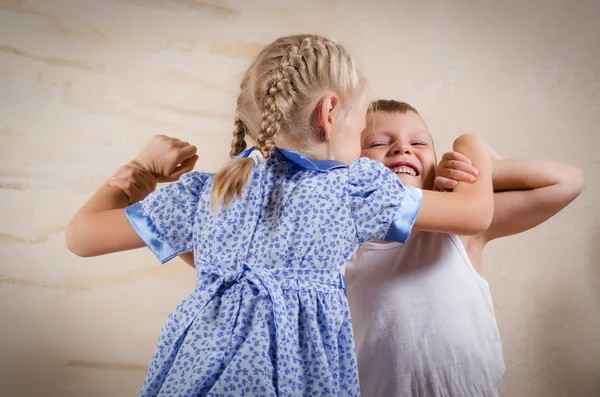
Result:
[{"x": 419, "y": 143}]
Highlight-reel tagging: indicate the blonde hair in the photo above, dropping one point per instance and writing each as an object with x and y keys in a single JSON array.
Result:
[
  {"x": 387, "y": 106},
  {"x": 279, "y": 93},
  {"x": 390, "y": 106}
]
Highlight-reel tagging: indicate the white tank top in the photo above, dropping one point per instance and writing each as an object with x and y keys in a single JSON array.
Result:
[{"x": 423, "y": 320}]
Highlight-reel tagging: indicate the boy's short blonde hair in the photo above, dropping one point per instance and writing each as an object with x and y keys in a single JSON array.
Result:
[
  {"x": 390, "y": 106},
  {"x": 383, "y": 105}
]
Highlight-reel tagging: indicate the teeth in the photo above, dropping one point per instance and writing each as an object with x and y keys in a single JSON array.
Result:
[{"x": 404, "y": 170}]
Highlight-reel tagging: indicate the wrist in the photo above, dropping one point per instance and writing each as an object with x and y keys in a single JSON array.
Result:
[
  {"x": 145, "y": 168},
  {"x": 134, "y": 173},
  {"x": 140, "y": 165}
]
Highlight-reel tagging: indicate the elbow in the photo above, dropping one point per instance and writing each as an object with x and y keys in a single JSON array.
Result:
[
  {"x": 481, "y": 220},
  {"x": 481, "y": 200},
  {"x": 466, "y": 140},
  {"x": 486, "y": 221},
  {"x": 571, "y": 184},
  {"x": 73, "y": 239},
  {"x": 576, "y": 182}
]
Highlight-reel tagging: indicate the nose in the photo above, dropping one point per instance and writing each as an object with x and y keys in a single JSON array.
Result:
[{"x": 401, "y": 148}]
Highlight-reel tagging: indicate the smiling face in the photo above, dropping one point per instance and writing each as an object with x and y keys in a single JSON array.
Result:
[{"x": 402, "y": 142}]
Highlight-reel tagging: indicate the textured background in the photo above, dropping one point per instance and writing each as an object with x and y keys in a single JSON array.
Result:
[{"x": 84, "y": 83}]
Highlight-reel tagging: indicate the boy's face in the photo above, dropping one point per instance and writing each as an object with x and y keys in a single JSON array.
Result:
[{"x": 402, "y": 142}]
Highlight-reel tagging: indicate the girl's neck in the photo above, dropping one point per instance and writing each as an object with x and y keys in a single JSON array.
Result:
[{"x": 314, "y": 150}]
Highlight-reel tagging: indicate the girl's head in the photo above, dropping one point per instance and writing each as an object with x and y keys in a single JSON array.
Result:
[
  {"x": 397, "y": 136},
  {"x": 302, "y": 92}
]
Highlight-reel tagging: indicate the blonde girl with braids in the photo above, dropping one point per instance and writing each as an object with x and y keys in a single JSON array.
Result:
[{"x": 270, "y": 232}]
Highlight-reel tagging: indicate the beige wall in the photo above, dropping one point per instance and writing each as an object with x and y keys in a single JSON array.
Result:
[{"x": 84, "y": 83}]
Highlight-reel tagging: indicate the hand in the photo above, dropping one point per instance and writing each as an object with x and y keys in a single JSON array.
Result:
[
  {"x": 134, "y": 181},
  {"x": 453, "y": 168},
  {"x": 166, "y": 158}
]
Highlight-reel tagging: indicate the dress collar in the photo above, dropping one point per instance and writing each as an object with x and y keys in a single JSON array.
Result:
[{"x": 303, "y": 161}]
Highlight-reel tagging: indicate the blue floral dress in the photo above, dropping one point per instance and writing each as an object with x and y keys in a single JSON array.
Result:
[{"x": 269, "y": 315}]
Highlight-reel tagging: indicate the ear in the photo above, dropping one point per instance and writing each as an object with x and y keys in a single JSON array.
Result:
[{"x": 325, "y": 116}]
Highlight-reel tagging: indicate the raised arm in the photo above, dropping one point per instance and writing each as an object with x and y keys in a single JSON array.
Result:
[
  {"x": 469, "y": 209},
  {"x": 529, "y": 192},
  {"x": 101, "y": 226}
]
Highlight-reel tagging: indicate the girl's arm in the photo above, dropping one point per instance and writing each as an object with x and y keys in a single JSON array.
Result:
[
  {"x": 529, "y": 192},
  {"x": 101, "y": 226},
  {"x": 137, "y": 186},
  {"x": 469, "y": 209}
]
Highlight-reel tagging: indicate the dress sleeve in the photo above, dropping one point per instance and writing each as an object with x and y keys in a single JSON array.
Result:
[
  {"x": 382, "y": 207},
  {"x": 165, "y": 219}
]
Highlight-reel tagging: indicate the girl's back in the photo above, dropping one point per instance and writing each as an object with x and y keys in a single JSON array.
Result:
[
  {"x": 294, "y": 214},
  {"x": 270, "y": 300}
]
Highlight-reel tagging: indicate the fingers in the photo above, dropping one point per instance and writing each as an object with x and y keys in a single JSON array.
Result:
[
  {"x": 463, "y": 167},
  {"x": 453, "y": 166},
  {"x": 125, "y": 172},
  {"x": 135, "y": 182},
  {"x": 457, "y": 157},
  {"x": 457, "y": 175},
  {"x": 163, "y": 157},
  {"x": 184, "y": 161},
  {"x": 458, "y": 161},
  {"x": 126, "y": 185},
  {"x": 185, "y": 166},
  {"x": 186, "y": 152},
  {"x": 443, "y": 184},
  {"x": 119, "y": 170},
  {"x": 179, "y": 143}
]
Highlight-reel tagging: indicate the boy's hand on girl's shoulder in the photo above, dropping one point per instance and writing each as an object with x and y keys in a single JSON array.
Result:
[
  {"x": 454, "y": 167},
  {"x": 166, "y": 158}
]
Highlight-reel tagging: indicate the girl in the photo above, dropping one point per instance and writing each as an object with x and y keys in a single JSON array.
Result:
[
  {"x": 422, "y": 313},
  {"x": 272, "y": 229}
]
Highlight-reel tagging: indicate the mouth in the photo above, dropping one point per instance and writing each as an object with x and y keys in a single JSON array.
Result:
[{"x": 404, "y": 168}]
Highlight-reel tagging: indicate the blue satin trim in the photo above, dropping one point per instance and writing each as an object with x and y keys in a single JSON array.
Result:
[
  {"x": 406, "y": 214},
  {"x": 302, "y": 160},
  {"x": 149, "y": 234}
]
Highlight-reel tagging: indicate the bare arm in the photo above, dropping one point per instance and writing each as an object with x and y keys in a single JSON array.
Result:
[
  {"x": 137, "y": 186},
  {"x": 188, "y": 258},
  {"x": 101, "y": 226},
  {"x": 470, "y": 208},
  {"x": 529, "y": 192}
]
